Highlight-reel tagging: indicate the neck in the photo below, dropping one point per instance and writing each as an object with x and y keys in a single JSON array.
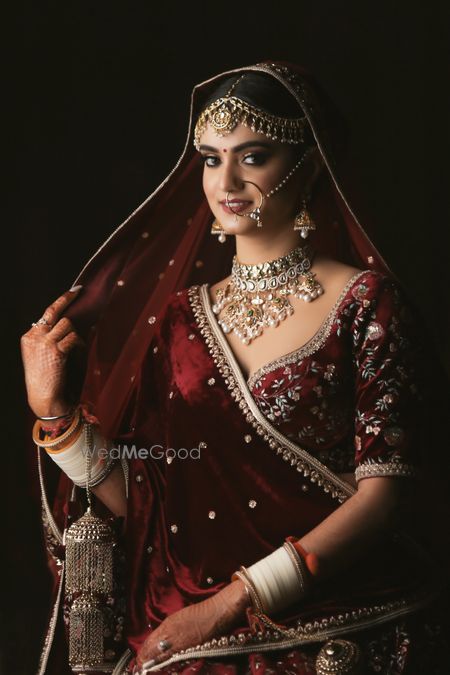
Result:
[{"x": 258, "y": 247}]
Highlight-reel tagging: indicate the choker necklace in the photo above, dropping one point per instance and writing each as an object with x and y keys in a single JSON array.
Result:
[{"x": 256, "y": 295}]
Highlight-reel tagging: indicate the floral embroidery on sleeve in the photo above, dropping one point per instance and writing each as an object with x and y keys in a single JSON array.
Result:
[{"x": 388, "y": 392}]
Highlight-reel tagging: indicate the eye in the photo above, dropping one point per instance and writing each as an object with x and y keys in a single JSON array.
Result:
[
  {"x": 257, "y": 158},
  {"x": 209, "y": 160},
  {"x": 253, "y": 158}
]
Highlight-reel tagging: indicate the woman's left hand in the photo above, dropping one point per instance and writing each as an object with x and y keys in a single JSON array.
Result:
[{"x": 195, "y": 624}]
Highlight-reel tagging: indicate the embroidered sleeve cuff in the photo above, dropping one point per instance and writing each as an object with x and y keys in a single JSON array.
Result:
[{"x": 371, "y": 468}]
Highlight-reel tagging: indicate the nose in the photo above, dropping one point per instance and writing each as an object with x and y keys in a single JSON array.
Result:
[{"x": 230, "y": 180}]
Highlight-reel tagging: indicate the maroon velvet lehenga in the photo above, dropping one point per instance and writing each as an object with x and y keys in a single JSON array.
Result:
[{"x": 234, "y": 466}]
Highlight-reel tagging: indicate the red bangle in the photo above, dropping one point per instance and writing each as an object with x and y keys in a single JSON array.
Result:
[
  {"x": 87, "y": 416},
  {"x": 311, "y": 560},
  {"x": 59, "y": 428}
]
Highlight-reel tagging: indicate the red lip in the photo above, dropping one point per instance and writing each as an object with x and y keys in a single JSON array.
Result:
[{"x": 236, "y": 205}]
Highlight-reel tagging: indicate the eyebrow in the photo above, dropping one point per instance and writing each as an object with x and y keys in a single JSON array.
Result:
[{"x": 241, "y": 146}]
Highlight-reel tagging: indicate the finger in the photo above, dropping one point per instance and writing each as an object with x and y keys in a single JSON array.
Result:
[
  {"x": 42, "y": 326},
  {"x": 69, "y": 342},
  {"x": 54, "y": 311},
  {"x": 152, "y": 658},
  {"x": 150, "y": 655},
  {"x": 62, "y": 328}
]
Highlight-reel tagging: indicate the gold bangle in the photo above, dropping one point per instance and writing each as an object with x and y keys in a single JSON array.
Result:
[
  {"x": 238, "y": 575},
  {"x": 251, "y": 589},
  {"x": 299, "y": 564},
  {"x": 76, "y": 422}
]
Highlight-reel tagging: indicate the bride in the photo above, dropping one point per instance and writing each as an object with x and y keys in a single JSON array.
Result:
[{"x": 283, "y": 351}]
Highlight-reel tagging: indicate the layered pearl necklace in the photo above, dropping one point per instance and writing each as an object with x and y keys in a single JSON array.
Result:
[{"x": 256, "y": 295}]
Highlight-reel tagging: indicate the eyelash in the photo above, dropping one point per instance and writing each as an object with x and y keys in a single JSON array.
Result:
[{"x": 260, "y": 159}]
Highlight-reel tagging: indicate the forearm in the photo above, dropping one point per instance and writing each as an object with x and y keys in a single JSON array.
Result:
[
  {"x": 112, "y": 492},
  {"x": 357, "y": 524}
]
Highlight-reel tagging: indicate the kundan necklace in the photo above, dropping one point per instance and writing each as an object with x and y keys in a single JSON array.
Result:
[{"x": 256, "y": 295}]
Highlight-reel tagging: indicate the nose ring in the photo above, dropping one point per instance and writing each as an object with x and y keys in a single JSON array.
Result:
[{"x": 255, "y": 214}]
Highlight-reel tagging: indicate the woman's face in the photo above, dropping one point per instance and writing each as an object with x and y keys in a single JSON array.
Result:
[{"x": 244, "y": 155}]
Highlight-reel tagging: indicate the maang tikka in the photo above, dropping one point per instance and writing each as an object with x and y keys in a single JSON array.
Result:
[{"x": 226, "y": 112}]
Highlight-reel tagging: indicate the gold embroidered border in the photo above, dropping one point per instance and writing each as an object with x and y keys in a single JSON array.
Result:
[
  {"x": 313, "y": 344},
  {"x": 307, "y": 633},
  {"x": 223, "y": 357},
  {"x": 53, "y": 537},
  {"x": 52, "y": 625},
  {"x": 369, "y": 469}
]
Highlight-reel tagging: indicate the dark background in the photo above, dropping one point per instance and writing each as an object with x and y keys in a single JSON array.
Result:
[{"x": 98, "y": 95}]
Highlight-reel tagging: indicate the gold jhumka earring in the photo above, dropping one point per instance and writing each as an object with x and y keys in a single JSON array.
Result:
[
  {"x": 303, "y": 221},
  {"x": 216, "y": 228}
]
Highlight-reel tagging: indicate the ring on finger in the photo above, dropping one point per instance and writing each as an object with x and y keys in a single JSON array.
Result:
[
  {"x": 41, "y": 322},
  {"x": 164, "y": 645}
]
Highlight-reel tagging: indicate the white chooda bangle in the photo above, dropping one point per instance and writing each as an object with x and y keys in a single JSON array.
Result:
[
  {"x": 278, "y": 580},
  {"x": 72, "y": 459}
]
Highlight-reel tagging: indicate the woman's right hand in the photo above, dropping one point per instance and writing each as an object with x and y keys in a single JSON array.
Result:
[{"x": 45, "y": 348}]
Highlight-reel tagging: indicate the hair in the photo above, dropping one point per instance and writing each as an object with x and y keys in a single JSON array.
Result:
[{"x": 265, "y": 93}]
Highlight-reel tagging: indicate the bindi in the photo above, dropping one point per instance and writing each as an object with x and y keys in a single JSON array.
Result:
[{"x": 224, "y": 149}]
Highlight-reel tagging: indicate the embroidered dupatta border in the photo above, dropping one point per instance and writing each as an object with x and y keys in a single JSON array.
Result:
[
  {"x": 53, "y": 536},
  {"x": 223, "y": 357},
  {"x": 302, "y": 634}
]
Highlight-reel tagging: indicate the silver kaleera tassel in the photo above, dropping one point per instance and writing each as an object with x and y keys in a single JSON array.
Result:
[
  {"x": 89, "y": 573},
  {"x": 85, "y": 632}
]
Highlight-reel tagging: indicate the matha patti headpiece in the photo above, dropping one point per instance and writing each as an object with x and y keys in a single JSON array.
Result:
[{"x": 225, "y": 113}]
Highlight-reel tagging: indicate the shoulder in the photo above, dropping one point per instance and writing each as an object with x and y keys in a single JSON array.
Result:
[
  {"x": 353, "y": 285},
  {"x": 361, "y": 283},
  {"x": 378, "y": 289},
  {"x": 331, "y": 269},
  {"x": 369, "y": 303}
]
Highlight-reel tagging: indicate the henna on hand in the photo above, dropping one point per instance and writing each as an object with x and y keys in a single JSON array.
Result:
[
  {"x": 195, "y": 624},
  {"x": 45, "y": 348}
]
